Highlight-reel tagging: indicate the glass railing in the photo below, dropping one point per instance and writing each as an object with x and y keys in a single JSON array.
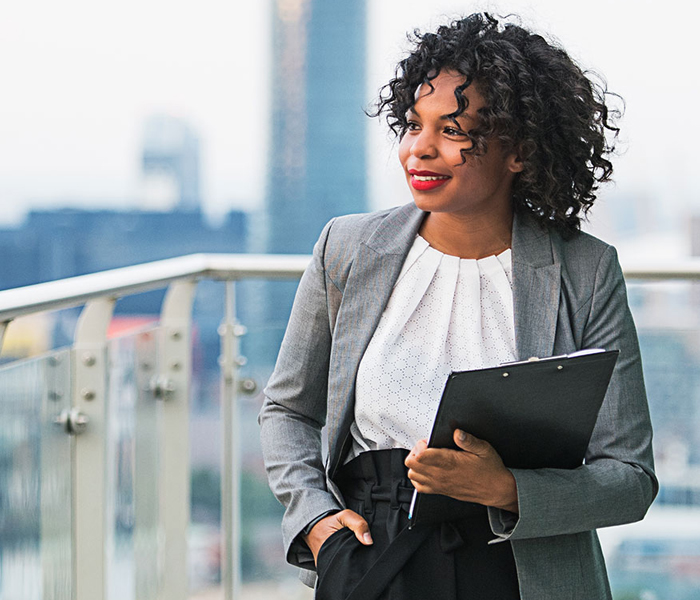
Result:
[
  {"x": 132, "y": 469},
  {"x": 130, "y": 463},
  {"x": 35, "y": 479},
  {"x": 659, "y": 557}
]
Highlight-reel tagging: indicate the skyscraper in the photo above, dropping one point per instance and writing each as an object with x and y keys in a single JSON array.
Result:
[
  {"x": 317, "y": 160},
  {"x": 317, "y": 157}
]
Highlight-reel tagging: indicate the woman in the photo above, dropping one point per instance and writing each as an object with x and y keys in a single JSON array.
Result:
[{"x": 503, "y": 144}]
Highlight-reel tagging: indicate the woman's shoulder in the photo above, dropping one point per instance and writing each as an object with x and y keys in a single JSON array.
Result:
[
  {"x": 345, "y": 234},
  {"x": 385, "y": 230},
  {"x": 587, "y": 262},
  {"x": 359, "y": 227},
  {"x": 581, "y": 242},
  {"x": 584, "y": 248},
  {"x": 579, "y": 251}
]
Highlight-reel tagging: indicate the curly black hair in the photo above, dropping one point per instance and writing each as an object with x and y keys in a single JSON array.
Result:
[{"x": 539, "y": 103}]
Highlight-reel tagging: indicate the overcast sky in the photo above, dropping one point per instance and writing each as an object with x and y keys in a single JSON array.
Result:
[{"x": 78, "y": 78}]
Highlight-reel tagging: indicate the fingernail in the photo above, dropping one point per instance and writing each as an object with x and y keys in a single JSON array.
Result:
[
  {"x": 462, "y": 435},
  {"x": 367, "y": 538}
]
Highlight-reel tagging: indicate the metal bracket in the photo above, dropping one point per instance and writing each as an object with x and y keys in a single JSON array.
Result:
[
  {"x": 247, "y": 386},
  {"x": 72, "y": 420},
  {"x": 161, "y": 386}
]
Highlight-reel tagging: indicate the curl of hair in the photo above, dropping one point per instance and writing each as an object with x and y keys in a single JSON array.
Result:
[{"x": 539, "y": 103}]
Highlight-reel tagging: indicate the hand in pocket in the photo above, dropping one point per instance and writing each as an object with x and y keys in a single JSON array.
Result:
[{"x": 332, "y": 523}]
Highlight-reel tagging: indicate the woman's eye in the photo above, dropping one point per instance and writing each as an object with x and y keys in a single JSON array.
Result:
[
  {"x": 412, "y": 126},
  {"x": 452, "y": 131}
]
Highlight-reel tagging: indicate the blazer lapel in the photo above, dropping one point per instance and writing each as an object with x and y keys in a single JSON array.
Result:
[
  {"x": 374, "y": 271},
  {"x": 536, "y": 287}
]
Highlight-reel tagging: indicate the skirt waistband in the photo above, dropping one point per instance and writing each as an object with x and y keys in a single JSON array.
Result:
[{"x": 382, "y": 476}]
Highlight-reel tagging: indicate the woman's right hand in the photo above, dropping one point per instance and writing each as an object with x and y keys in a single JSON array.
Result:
[{"x": 326, "y": 527}]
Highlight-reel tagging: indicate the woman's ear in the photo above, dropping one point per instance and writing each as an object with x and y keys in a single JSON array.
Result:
[{"x": 514, "y": 163}]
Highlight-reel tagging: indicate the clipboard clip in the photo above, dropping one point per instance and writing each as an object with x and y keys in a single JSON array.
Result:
[{"x": 584, "y": 352}]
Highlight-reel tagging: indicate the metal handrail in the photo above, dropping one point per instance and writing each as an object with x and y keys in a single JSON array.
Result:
[
  {"x": 115, "y": 283},
  {"x": 685, "y": 269}
]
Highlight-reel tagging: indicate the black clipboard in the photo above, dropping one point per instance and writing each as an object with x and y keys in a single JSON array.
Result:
[{"x": 535, "y": 413}]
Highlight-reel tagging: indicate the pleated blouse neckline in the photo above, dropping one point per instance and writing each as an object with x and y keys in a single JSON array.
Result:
[{"x": 445, "y": 314}]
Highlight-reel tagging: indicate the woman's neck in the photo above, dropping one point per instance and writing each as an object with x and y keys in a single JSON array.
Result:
[{"x": 474, "y": 236}]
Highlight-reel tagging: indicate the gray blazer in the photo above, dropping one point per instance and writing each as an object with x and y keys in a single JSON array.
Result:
[{"x": 568, "y": 295}]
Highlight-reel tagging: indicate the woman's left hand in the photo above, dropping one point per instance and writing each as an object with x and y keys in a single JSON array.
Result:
[{"x": 475, "y": 473}]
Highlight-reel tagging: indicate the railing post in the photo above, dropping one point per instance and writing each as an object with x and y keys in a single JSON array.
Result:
[
  {"x": 230, "y": 331},
  {"x": 89, "y": 363},
  {"x": 174, "y": 455}
]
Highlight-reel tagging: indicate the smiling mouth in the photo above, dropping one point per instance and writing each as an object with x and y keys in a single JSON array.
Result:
[
  {"x": 424, "y": 181},
  {"x": 429, "y": 177}
]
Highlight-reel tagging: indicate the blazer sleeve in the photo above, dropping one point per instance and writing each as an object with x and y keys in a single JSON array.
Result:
[
  {"x": 616, "y": 484},
  {"x": 294, "y": 411}
]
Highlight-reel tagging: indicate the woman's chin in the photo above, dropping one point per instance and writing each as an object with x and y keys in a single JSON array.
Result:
[{"x": 427, "y": 204}]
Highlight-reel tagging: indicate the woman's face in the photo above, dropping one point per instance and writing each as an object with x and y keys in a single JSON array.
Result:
[{"x": 437, "y": 174}]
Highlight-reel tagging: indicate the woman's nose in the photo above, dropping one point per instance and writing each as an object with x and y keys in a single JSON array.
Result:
[{"x": 423, "y": 145}]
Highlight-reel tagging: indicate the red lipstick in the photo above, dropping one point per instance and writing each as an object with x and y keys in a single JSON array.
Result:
[{"x": 424, "y": 181}]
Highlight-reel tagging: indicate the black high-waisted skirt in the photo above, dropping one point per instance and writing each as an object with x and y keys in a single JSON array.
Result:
[{"x": 445, "y": 561}]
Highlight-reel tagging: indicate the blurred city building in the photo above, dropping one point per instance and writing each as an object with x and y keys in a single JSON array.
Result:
[
  {"x": 170, "y": 164},
  {"x": 53, "y": 244},
  {"x": 317, "y": 159}
]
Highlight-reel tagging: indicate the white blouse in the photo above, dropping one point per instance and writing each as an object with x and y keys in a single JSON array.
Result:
[{"x": 445, "y": 314}]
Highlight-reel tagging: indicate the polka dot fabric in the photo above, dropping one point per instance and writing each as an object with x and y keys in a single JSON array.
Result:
[{"x": 445, "y": 314}]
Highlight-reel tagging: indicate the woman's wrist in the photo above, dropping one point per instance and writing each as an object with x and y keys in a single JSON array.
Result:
[
  {"x": 310, "y": 525},
  {"x": 508, "y": 493}
]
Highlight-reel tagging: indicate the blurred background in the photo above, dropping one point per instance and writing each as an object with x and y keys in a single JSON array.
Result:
[{"x": 138, "y": 131}]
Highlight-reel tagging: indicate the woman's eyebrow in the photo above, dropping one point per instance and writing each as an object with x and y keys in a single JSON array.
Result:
[
  {"x": 463, "y": 121},
  {"x": 455, "y": 118},
  {"x": 448, "y": 117}
]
